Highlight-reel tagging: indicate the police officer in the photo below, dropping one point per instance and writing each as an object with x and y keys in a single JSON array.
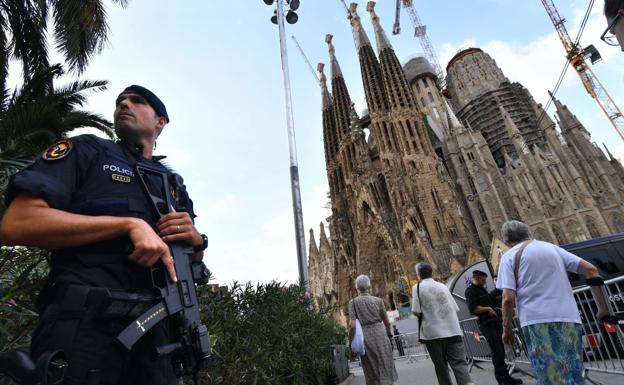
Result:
[
  {"x": 614, "y": 33},
  {"x": 480, "y": 303},
  {"x": 81, "y": 200}
]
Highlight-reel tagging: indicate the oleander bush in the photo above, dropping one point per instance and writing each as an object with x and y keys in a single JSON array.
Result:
[
  {"x": 269, "y": 334},
  {"x": 22, "y": 274}
]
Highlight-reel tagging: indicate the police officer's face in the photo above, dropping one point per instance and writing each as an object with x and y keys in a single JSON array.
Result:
[
  {"x": 136, "y": 118},
  {"x": 479, "y": 280}
]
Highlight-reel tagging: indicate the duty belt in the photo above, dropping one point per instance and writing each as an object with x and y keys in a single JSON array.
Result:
[{"x": 108, "y": 303}]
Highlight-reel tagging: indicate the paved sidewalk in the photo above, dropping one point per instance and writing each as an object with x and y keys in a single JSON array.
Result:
[{"x": 422, "y": 373}]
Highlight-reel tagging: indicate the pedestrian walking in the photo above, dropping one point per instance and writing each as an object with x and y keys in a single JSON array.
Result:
[
  {"x": 533, "y": 275},
  {"x": 439, "y": 326},
  {"x": 377, "y": 363}
]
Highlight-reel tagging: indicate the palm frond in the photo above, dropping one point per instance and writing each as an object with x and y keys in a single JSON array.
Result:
[
  {"x": 27, "y": 23},
  {"x": 38, "y": 114},
  {"x": 80, "y": 30}
]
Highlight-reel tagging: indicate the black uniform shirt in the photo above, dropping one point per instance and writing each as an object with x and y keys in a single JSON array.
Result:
[
  {"x": 478, "y": 296},
  {"x": 92, "y": 176}
]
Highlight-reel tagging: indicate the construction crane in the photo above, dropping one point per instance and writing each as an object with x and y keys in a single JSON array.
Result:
[
  {"x": 396, "y": 28},
  {"x": 306, "y": 59},
  {"x": 577, "y": 58},
  {"x": 420, "y": 31},
  {"x": 346, "y": 9}
]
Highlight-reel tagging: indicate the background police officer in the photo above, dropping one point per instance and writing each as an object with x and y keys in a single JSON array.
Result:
[
  {"x": 81, "y": 199},
  {"x": 480, "y": 303}
]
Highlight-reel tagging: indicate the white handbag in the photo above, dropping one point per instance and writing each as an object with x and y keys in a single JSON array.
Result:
[{"x": 357, "y": 344}]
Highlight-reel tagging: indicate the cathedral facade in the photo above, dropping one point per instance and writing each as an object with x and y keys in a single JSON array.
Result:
[{"x": 418, "y": 178}]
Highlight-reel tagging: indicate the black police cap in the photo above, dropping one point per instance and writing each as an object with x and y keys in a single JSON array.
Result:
[
  {"x": 151, "y": 98},
  {"x": 479, "y": 273}
]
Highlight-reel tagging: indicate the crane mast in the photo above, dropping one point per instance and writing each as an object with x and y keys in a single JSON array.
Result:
[
  {"x": 306, "y": 59},
  {"x": 396, "y": 28},
  {"x": 576, "y": 58},
  {"x": 420, "y": 31}
]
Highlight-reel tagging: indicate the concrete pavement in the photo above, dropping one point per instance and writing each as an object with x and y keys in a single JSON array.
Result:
[{"x": 421, "y": 372}]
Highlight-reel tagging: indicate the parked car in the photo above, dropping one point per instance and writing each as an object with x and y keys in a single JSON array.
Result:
[{"x": 606, "y": 253}]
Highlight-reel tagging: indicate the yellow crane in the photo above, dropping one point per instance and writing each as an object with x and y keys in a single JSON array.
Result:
[{"x": 577, "y": 58}]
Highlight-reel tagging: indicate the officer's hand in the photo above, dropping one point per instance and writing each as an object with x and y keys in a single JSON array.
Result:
[
  {"x": 149, "y": 248},
  {"x": 492, "y": 312},
  {"x": 178, "y": 227}
]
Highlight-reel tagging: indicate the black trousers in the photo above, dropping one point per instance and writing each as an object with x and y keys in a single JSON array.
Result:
[
  {"x": 493, "y": 333},
  {"x": 94, "y": 357},
  {"x": 399, "y": 345}
]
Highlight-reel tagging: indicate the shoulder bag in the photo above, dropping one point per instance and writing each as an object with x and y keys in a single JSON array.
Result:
[
  {"x": 357, "y": 344},
  {"x": 420, "y": 317},
  {"x": 517, "y": 261}
]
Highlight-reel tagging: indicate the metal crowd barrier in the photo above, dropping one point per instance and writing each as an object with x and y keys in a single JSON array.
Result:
[
  {"x": 603, "y": 344},
  {"x": 407, "y": 346},
  {"x": 477, "y": 348}
]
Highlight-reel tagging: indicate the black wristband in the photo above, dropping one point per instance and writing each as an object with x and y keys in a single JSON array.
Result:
[
  {"x": 596, "y": 281},
  {"x": 203, "y": 246}
]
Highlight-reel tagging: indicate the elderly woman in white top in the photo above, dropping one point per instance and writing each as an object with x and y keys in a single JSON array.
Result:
[
  {"x": 548, "y": 312},
  {"x": 439, "y": 328},
  {"x": 377, "y": 363}
]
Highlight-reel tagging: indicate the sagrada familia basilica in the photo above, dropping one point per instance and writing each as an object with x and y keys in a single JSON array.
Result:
[{"x": 423, "y": 177}]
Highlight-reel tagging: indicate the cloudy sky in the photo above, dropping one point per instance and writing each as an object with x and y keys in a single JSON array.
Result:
[{"x": 216, "y": 65}]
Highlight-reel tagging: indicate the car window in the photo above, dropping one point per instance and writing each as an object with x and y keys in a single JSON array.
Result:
[{"x": 605, "y": 257}]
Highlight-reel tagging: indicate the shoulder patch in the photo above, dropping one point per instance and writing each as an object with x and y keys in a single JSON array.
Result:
[{"x": 58, "y": 150}]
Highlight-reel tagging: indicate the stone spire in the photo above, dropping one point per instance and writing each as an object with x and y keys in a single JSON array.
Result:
[
  {"x": 359, "y": 34},
  {"x": 567, "y": 120},
  {"x": 335, "y": 67},
  {"x": 330, "y": 136},
  {"x": 514, "y": 134},
  {"x": 398, "y": 91},
  {"x": 313, "y": 248},
  {"x": 611, "y": 158},
  {"x": 380, "y": 34},
  {"x": 342, "y": 100},
  {"x": 327, "y": 100},
  {"x": 369, "y": 66},
  {"x": 543, "y": 119},
  {"x": 323, "y": 240}
]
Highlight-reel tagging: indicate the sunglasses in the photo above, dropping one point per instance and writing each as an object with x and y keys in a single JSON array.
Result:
[{"x": 608, "y": 36}]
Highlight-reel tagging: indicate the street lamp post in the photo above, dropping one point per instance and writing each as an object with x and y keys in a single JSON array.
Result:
[{"x": 278, "y": 18}]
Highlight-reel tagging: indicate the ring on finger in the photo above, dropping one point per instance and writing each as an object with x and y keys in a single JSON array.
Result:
[{"x": 178, "y": 228}]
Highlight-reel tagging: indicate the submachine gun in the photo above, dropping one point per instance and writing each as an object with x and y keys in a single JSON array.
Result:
[{"x": 178, "y": 300}]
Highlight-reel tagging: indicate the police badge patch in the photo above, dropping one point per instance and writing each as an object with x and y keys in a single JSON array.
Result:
[{"x": 58, "y": 150}]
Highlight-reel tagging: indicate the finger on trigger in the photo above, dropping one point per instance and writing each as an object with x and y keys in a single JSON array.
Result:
[{"x": 171, "y": 268}]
